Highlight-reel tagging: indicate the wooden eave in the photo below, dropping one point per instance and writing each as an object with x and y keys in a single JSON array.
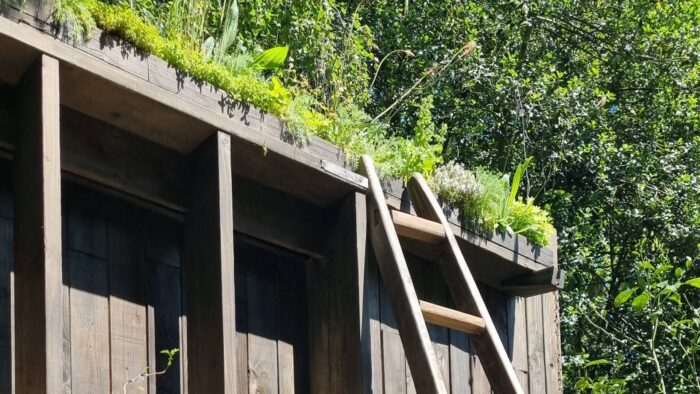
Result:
[{"x": 109, "y": 86}]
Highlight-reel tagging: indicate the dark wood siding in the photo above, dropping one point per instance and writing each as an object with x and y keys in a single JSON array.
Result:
[
  {"x": 6, "y": 259},
  {"x": 527, "y": 328},
  {"x": 271, "y": 320},
  {"x": 123, "y": 298}
]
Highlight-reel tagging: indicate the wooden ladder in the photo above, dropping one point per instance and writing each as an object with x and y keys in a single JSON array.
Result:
[{"x": 411, "y": 314}]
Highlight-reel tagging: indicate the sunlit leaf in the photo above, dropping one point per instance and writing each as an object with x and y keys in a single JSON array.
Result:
[
  {"x": 597, "y": 362},
  {"x": 271, "y": 59},
  {"x": 624, "y": 296},
  {"x": 640, "y": 301},
  {"x": 695, "y": 282}
]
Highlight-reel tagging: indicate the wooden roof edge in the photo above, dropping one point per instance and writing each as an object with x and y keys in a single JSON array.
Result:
[
  {"x": 30, "y": 31},
  {"x": 96, "y": 59},
  {"x": 514, "y": 247}
]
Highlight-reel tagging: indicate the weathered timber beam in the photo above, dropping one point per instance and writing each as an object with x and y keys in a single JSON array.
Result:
[
  {"x": 398, "y": 284},
  {"x": 278, "y": 218},
  {"x": 450, "y": 318},
  {"x": 540, "y": 282},
  {"x": 38, "y": 258},
  {"x": 209, "y": 266},
  {"x": 466, "y": 294},
  {"x": 417, "y": 228},
  {"x": 346, "y": 224},
  {"x": 108, "y": 155}
]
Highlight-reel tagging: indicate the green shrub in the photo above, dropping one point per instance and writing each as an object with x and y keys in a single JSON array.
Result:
[{"x": 486, "y": 202}]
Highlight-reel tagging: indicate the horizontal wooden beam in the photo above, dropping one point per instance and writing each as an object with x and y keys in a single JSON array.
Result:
[
  {"x": 278, "y": 218},
  {"x": 540, "y": 282},
  {"x": 420, "y": 229},
  {"x": 450, "y": 318}
]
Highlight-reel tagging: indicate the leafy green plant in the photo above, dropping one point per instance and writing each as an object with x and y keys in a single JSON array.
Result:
[
  {"x": 488, "y": 201},
  {"x": 236, "y": 74},
  {"x": 271, "y": 59},
  {"x": 145, "y": 374},
  {"x": 661, "y": 296},
  {"x": 74, "y": 17},
  {"x": 217, "y": 48}
]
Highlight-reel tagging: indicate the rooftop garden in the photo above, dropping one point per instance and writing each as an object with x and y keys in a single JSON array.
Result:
[{"x": 217, "y": 42}]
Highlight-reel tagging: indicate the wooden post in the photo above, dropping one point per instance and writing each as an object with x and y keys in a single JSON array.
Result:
[
  {"x": 347, "y": 221},
  {"x": 38, "y": 272},
  {"x": 211, "y": 330}
]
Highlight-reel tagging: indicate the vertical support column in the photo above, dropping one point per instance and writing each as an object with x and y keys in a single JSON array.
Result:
[
  {"x": 211, "y": 325},
  {"x": 38, "y": 272},
  {"x": 346, "y": 268}
]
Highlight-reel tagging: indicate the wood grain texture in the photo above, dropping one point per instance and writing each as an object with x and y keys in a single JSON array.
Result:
[
  {"x": 6, "y": 279},
  {"x": 466, "y": 294},
  {"x": 552, "y": 343},
  {"x": 89, "y": 316},
  {"x": 318, "y": 312},
  {"x": 450, "y": 318},
  {"x": 127, "y": 303},
  {"x": 535, "y": 345},
  {"x": 420, "y": 229},
  {"x": 460, "y": 373},
  {"x": 518, "y": 316},
  {"x": 209, "y": 268},
  {"x": 347, "y": 226},
  {"x": 399, "y": 286},
  {"x": 38, "y": 257},
  {"x": 262, "y": 329},
  {"x": 278, "y": 218},
  {"x": 372, "y": 327}
]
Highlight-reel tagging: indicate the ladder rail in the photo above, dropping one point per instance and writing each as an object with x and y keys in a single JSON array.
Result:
[
  {"x": 465, "y": 293},
  {"x": 400, "y": 290}
]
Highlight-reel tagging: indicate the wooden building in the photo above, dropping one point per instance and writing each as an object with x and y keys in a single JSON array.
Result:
[{"x": 141, "y": 210}]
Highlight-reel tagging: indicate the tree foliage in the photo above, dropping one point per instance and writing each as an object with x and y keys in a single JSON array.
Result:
[{"x": 602, "y": 95}]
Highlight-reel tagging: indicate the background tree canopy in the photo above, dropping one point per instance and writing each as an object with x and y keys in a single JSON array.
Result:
[{"x": 602, "y": 94}]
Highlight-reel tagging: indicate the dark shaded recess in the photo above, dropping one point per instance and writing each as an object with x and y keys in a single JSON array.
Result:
[
  {"x": 113, "y": 248},
  {"x": 6, "y": 266},
  {"x": 271, "y": 300}
]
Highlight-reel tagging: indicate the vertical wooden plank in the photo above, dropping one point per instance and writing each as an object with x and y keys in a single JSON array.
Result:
[
  {"x": 552, "y": 343},
  {"x": 209, "y": 268},
  {"x": 127, "y": 302},
  {"x": 38, "y": 272},
  {"x": 394, "y": 367},
  {"x": 399, "y": 288},
  {"x": 241, "y": 323},
  {"x": 67, "y": 366},
  {"x": 345, "y": 247},
  {"x": 372, "y": 326},
  {"x": 262, "y": 327},
  {"x": 317, "y": 293},
  {"x": 164, "y": 296},
  {"x": 465, "y": 292},
  {"x": 6, "y": 281},
  {"x": 89, "y": 316},
  {"x": 480, "y": 383},
  {"x": 519, "y": 340},
  {"x": 535, "y": 345},
  {"x": 292, "y": 342},
  {"x": 460, "y": 373},
  {"x": 436, "y": 292},
  {"x": 552, "y": 333},
  {"x": 6, "y": 304}
]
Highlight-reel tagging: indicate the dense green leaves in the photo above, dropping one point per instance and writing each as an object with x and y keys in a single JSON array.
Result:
[
  {"x": 604, "y": 96},
  {"x": 271, "y": 59}
]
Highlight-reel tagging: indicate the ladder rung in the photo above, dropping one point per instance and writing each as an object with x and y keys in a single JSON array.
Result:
[
  {"x": 420, "y": 229},
  {"x": 450, "y": 318}
]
